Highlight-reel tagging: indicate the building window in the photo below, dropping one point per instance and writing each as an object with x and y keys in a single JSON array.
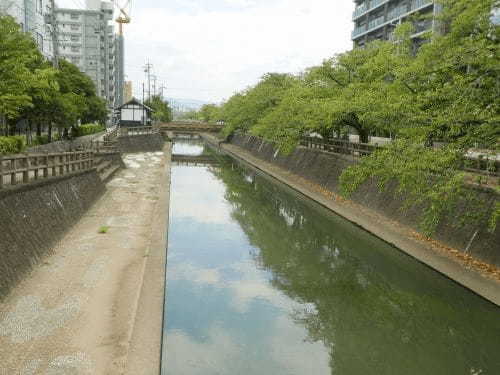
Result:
[
  {"x": 75, "y": 27},
  {"x": 75, "y": 49},
  {"x": 75, "y": 38},
  {"x": 74, "y": 16},
  {"x": 39, "y": 6}
]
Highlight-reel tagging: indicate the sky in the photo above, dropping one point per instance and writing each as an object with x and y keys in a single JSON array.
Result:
[{"x": 210, "y": 49}]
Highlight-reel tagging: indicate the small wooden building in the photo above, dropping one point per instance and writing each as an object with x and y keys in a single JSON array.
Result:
[{"x": 133, "y": 113}]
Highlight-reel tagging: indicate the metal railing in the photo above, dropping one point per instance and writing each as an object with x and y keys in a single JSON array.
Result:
[
  {"x": 139, "y": 130},
  {"x": 338, "y": 146},
  {"x": 26, "y": 168},
  {"x": 480, "y": 165}
]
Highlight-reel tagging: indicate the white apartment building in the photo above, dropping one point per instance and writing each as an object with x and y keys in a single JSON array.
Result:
[
  {"x": 87, "y": 39},
  {"x": 31, "y": 15}
]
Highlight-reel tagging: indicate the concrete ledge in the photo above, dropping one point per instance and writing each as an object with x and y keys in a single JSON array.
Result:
[
  {"x": 146, "y": 342},
  {"x": 393, "y": 233}
]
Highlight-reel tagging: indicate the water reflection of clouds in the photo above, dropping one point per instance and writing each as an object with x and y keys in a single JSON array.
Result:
[
  {"x": 190, "y": 199},
  {"x": 187, "y": 149},
  {"x": 189, "y": 356}
]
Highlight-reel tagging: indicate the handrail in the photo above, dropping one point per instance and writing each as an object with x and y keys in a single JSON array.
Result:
[
  {"x": 137, "y": 130},
  {"x": 479, "y": 165},
  {"x": 27, "y": 168}
]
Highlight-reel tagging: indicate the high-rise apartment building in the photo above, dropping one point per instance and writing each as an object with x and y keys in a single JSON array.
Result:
[
  {"x": 32, "y": 17},
  {"x": 87, "y": 39},
  {"x": 377, "y": 19}
]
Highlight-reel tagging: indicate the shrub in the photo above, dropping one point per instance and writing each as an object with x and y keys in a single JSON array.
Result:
[
  {"x": 88, "y": 129},
  {"x": 12, "y": 145},
  {"x": 40, "y": 140}
]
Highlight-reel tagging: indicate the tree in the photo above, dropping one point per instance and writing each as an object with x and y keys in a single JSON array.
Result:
[
  {"x": 452, "y": 89},
  {"x": 20, "y": 70},
  {"x": 244, "y": 110},
  {"x": 210, "y": 113},
  {"x": 162, "y": 110}
]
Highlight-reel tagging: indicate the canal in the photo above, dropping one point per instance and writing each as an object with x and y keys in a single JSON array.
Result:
[{"x": 261, "y": 281}]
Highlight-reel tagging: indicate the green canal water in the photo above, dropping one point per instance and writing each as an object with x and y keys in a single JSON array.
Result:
[{"x": 261, "y": 281}]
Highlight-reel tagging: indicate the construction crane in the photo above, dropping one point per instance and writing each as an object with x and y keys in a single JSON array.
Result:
[{"x": 124, "y": 17}]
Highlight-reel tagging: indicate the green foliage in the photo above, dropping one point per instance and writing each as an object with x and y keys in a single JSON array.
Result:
[
  {"x": 446, "y": 91},
  {"x": 87, "y": 129},
  {"x": 11, "y": 145},
  {"x": 210, "y": 113},
  {"x": 244, "y": 110},
  {"x": 31, "y": 90},
  {"x": 423, "y": 176},
  {"x": 162, "y": 110},
  {"x": 103, "y": 230},
  {"x": 40, "y": 140}
]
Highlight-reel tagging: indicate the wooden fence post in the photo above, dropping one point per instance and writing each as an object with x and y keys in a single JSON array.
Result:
[
  {"x": 26, "y": 172},
  {"x": 1, "y": 171},
  {"x": 46, "y": 167}
]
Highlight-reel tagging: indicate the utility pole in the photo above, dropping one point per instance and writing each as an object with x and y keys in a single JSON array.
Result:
[
  {"x": 55, "y": 34},
  {"x": 154, "y": 85},
  {"x": 162, "y": 87},
  {"x": 147, "y": 70},
  {"x": 143, "y": 109}
]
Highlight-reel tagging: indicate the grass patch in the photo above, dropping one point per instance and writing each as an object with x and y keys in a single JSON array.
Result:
[{"x": 104, "y": 229}]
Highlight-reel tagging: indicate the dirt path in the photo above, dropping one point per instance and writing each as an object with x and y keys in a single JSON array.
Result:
[{"x": 77, "y": 312}]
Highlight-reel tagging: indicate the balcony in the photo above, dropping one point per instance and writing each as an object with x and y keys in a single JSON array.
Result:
[
  {"x": 360, "y": 10},
  {"x": 358, "y": 31},
  {"x": 376, "y": 22},
  {"x": 417, "y": 4},
  {"x": 367, "y": 6},
  {"x": 396, "y": 12}
]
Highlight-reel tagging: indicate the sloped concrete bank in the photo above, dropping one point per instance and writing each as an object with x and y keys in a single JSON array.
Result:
[
  {"x": 95, "y": 304},
  {"x": 315, "y": 175},
  {"x": 35, "y": 216},
  {"x": 325, "y": 169}
]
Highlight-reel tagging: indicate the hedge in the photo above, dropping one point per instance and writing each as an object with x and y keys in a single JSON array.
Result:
[
  {"x": 88, "y": 129},
  {"x": 12, "y": 145}
]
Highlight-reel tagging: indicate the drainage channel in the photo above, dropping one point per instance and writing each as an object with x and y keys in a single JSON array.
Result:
[{"x": 262, "y": 281}]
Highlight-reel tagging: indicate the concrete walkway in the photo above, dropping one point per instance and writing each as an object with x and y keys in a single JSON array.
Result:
[{"x": 86, "y": 308}]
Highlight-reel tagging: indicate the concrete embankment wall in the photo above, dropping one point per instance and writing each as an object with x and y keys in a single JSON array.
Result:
[
  {"x": 141, "y": 143},
  {"x": 34, "y": 217},
  {"x": 325, "y": 169}
]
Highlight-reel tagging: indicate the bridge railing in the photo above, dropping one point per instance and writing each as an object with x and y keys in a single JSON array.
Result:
[
  {"x": 26, "y": 168},
  {"x": 139, "y": 130}
]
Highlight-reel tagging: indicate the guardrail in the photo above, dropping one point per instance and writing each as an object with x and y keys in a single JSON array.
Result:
[
  {"x": 139, "y": 130},
  {"x": 26, "y": 168},
  {"x": 338, "y": 146},
  {"x": 479, "y": 165}
]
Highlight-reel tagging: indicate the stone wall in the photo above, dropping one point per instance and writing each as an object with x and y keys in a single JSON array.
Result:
[
  {"x": 64, "y": 146},
  {"x": 325, "y": 169},
  {"x": 141, "y": 143},
  {"x": 34, "y": 217}
]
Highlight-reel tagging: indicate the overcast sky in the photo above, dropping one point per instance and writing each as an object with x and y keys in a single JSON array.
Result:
[{"x": 210, "y": 49}]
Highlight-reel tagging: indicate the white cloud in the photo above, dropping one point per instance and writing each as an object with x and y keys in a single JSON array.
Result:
[{"x": 210, "y": 49}]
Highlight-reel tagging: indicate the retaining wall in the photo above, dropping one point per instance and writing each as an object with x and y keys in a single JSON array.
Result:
[
  {"x": 34, "y": 217},
  {"x": 141, "y": 143},
  {"x": 64, "y": 146},
  {"x": 325, "y": 169}
]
